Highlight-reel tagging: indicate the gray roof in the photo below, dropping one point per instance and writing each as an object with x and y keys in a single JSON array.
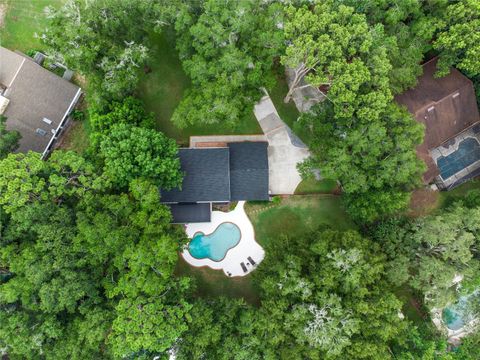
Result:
[
  {"x": 207, "y": 176},
  {"x": 190, "y": 213},
  {"x": 34, "y": 93},
  {"x": 248, "y": 171}
]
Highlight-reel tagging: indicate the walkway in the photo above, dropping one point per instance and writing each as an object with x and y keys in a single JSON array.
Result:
[{"x": 285, "y": 149}]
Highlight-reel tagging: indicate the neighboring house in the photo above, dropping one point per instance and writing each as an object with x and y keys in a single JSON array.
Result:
[
  {"x": 35, "y": 101},
  {"x": 237, "y": 171},
  {"x": 447, "y": 107}
]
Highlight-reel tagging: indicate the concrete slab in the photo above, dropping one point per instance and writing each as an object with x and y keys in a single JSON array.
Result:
[{"x": 285, "y": 150}]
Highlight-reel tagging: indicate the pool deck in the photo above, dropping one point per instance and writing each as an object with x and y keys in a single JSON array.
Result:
[{"x": 247, "y": 247}]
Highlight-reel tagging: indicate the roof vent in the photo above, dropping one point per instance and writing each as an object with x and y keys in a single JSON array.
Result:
[
  {"x": 457, "y": 94},
  {"x": 48, "y": 121},
  {"x": 41, "y": 132},
  {"x": 3, "y": 104}
]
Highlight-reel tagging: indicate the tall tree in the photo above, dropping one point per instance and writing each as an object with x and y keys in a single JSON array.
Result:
[
  {"x": 458, "y": 41},
  {"x": 359, "y": 136},
  {"x": 430, "y": 253},
  {"x": 84, "y": 263},
  {"x": 104, "y": 40},
  {"x": 131, "y": 152},
  {"x": 227, "y": 48}
]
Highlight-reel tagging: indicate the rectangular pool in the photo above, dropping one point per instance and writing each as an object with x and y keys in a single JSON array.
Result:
[{"x": 468, "y": 152}]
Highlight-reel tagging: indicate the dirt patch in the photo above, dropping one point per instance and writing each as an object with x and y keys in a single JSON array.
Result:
[
  {"x": 3, "y": 13},
  {"x": 423, "y": 201}
]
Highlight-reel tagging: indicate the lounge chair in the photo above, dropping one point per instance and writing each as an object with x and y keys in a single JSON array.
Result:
[
  {"x": 251, "y": 261},
  {"x": 244, "y": 268}
]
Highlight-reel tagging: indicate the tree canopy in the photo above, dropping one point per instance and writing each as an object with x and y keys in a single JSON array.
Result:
[
  {"x": 104, "y": 40},
  {"x": 459, "y": 37},
  {"x": 227, "y": 48},
  {"x": 358, "y": 135},
  {"x": 78, "y": 256}
]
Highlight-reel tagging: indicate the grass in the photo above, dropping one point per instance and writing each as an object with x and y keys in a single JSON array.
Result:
[
  {"x": 447, "y": 197},
  {"x": 288, "y": 112},
  {"x": 163, "y": 88},
  {"x": 425, "y": 201},
  {"x": 296, "y": 215},
  {"x": 313, "y": 186},
  {"x": 412, "y": 308},
  {"x": 213, "y": 283},
  {"x": 76, "y": 137},
  {"x": 23, "y": 19}
]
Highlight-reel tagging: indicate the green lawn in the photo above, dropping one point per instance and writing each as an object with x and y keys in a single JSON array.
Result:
[
  {"x": 312, "y": 186},
  {"x": 214, "y": 283},
  {"x": 23, "y": 19},
  {"x": 296, "y": 215},
  {"x": 288, "y": 112},
  {"x": 162, "y": 89},
  {"x": 76, "y": 137}
]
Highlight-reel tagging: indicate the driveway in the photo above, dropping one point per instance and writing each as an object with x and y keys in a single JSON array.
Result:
[{"x": 285, "y": 149}]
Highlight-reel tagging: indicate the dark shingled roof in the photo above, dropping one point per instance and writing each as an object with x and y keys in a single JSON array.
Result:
[
  {"x": 34, "y": 93},
  {"x": 248, "y": 171},
  {"x": 190, "y": 213},
  {"x": 446, "y": 106},
  {"x": 207, "y": 176}
]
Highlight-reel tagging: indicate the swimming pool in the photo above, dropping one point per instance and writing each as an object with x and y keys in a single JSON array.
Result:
[
  {"x": 215, "y": 245},
  {"x": 457, "y": 315},
  {"x": 468, "y": 152}
]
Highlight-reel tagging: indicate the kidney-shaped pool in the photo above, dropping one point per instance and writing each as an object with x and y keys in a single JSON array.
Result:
[{"x": 215, "y": 246}]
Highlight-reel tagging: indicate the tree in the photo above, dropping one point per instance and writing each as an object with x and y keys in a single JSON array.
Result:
[
  {"x": 104, "y": 40},
  {"x": 129, "y": 111},
  {"x": 430, "y": 252},
  {"x": 83, "y": 261},
  {"x": 25, "y": 178},
  {"x": 359, "y": 136},
  {"x": 131, "y": 152},
  {"x": 131, "y": 239},
  {"x": 322, "y": 44},
  {"x": 326, "y": 297},
  {"x": 458, "y": 40},
  {"x": 375, "y": 161},
  {"x": 52, "y": 304},
  {"x": 227, "y": 48},
  {"x": 410, "y": 27},
  {"x": 8, "y": 138}
]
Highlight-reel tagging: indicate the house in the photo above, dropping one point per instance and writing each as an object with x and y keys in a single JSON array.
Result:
[
  {"x": 218, "y": 175},
  {"x": 447, "y": 107},
  {"x": 35, "y": 101}
]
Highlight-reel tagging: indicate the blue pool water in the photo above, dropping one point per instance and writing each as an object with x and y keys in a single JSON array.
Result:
[
  {"x": 460, "y": 313},
  {"x": 468, "y": 152},
  {"x": 214, "y": 246},
  {"x": 452, "y": 318}
]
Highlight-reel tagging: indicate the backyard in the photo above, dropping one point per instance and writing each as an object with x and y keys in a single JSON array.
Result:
[{"x": 293, "y": 216}]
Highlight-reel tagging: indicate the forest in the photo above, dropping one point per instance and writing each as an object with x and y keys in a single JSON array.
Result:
[{"x": 88, "y": 256}]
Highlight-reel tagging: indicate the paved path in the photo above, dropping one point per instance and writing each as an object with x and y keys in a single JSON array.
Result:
[
  {"x": 285, "y": 149},
  {"x": 194, "y": 140}
]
